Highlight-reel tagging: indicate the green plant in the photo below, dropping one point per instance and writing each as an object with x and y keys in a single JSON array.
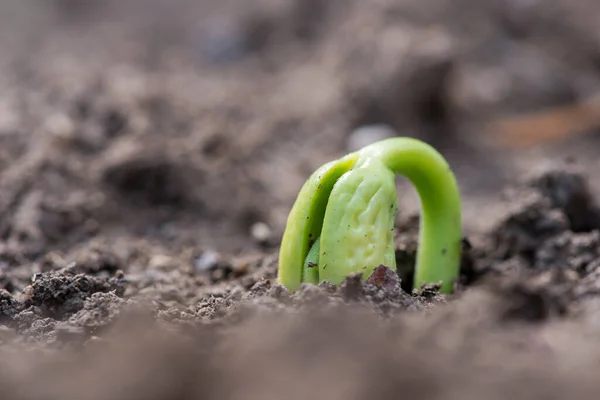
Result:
[{"x": 343, "y": 219}]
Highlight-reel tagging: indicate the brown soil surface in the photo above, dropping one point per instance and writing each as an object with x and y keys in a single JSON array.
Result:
[{"x": 142, "y": 142}]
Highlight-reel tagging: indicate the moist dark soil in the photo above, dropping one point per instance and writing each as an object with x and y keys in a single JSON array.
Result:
[{"x": 151, "y": 150}]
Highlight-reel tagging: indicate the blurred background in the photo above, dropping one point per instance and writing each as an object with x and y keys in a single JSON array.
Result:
[{"x": 196, "y": 122}]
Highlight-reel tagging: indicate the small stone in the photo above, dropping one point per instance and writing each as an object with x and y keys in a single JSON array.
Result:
[
  {"x": 260, "y": 232},
  {"x": 241, "y": 268},
  {"x": 207, "y": 261},
  {"x": 368, "y": 134}
]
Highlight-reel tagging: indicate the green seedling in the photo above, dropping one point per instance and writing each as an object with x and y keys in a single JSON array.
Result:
[{"x": 343, "y": 219}]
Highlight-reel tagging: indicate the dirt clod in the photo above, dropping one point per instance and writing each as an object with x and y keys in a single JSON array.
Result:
[
  {"x": 9, "y": 307},
  {"x": 61, "y": 295},
  {"x": 352, "y": 288},
  {"x": 568, "y": 191}
]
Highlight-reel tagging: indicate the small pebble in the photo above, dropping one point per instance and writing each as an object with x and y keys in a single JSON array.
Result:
[
  {"x": 260, "y": 232},
  {"x": 367, "y": 134},
  {"x": 207, "y": 261},
  {"x": 241, "y": 268}
]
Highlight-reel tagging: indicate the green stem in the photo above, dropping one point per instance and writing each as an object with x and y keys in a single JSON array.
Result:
[{"x": 439, "y": 251}]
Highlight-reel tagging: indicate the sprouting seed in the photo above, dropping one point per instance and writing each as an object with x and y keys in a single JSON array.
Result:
[{"x": 344, "y": 209}]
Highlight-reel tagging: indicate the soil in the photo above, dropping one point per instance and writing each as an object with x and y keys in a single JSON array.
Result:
[{"x": 150, "y": 152}]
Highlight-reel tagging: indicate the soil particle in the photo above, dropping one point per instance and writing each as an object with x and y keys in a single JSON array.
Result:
[
  {"x": 207, "y": 261},
  {"x": 260, "y": 288},
  {"x": 222, "y": 269},
  {"x": 537, "y": 233},
  {"x": 589, "y": 286},
  {"x": 213, "y": 307},
  {"x": 27, "y": 317},
  {"x": 279, "y": 292},
  {"x": 579, "y": 252},
  {"x": 384, "y": 290},
  {"x": 9, "y": 307},
  {"x": 62, "y": 295},
  {"x": 311, "y": 295},
  {"x": 351, "y": 288},
  {"x": 537, "y": 300},
  {"x": 568, "y": 191},
  {"x": 531, "y": 221},
  {"x": 99, "y": 310},
  {"x": 97, "y": 260},
  {"x": 384, "y": 278},
  {"x": 42, "y": 329}
]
